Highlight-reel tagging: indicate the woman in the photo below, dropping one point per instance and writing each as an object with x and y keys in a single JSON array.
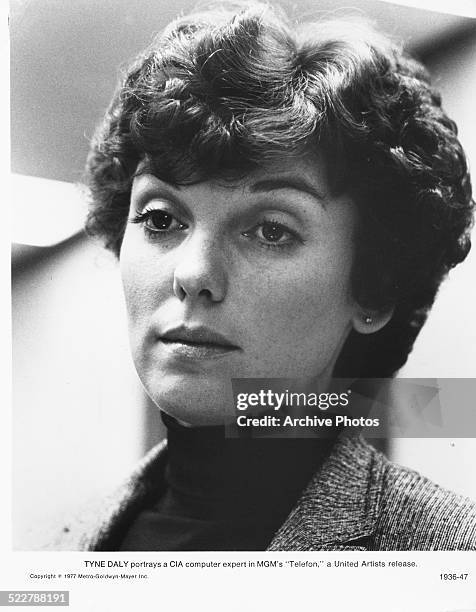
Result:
[{"x": 284, "y": 203}]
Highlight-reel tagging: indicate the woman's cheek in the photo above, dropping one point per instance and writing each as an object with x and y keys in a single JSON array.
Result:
[
  {"x": 302, "y": 317},
  {"x": 140, "y": 279},
  {"x": 135, "y": 290}
]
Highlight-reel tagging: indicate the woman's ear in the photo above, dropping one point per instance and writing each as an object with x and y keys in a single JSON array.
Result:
[{"x": 371, "y": 321}]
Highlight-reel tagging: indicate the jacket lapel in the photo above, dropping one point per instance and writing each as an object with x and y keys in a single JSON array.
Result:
[
  {"x": 339, "y": 508},
  {"x": 146, "y": 484}
]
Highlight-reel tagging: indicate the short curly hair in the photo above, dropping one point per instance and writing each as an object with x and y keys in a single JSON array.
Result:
[{"x": 223, "y": 92}]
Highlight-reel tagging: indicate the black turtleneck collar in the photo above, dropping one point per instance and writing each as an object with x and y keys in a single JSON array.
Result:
[
  {"x": 229, "y": 477},
  {"x": 225, "y": 493}
]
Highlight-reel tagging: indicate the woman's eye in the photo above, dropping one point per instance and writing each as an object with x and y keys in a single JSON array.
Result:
[
  {"x": 158, "y": 221},
  {"x": 272, "y": 234}
]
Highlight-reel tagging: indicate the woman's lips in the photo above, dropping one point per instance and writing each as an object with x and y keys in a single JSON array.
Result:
[{"x": 196, "y": 342}]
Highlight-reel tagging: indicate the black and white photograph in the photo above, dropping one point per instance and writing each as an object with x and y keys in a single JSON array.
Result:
[{"x": 242, "y": 301}]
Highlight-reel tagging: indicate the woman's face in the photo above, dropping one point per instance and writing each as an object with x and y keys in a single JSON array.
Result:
[{"x": 236, "y": 280}]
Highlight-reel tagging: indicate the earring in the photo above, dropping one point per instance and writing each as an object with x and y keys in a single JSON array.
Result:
[{"x": 367, "y": 319}]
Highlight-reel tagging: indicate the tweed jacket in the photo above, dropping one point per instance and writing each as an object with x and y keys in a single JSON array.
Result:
[{"x": 358, "y": 500}]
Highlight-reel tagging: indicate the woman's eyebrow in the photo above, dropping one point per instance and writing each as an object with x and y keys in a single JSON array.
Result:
[{"x": 297, "y": 183}]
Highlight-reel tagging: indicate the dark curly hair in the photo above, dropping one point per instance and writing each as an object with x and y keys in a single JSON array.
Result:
[{"x": 223, "y": 92}]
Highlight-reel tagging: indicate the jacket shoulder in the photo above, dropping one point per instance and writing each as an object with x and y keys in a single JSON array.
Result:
[
  {"x": 101, "y": 524},
  {"x": 417, "y": 514}
]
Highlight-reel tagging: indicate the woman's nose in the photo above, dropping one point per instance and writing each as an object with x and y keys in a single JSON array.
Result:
[{"x": 201, "y": 270}]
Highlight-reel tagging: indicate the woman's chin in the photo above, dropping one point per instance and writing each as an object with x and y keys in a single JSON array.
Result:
[
  {"x": 189, "y": 418},
  {"x": 199, "y": 405}
]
